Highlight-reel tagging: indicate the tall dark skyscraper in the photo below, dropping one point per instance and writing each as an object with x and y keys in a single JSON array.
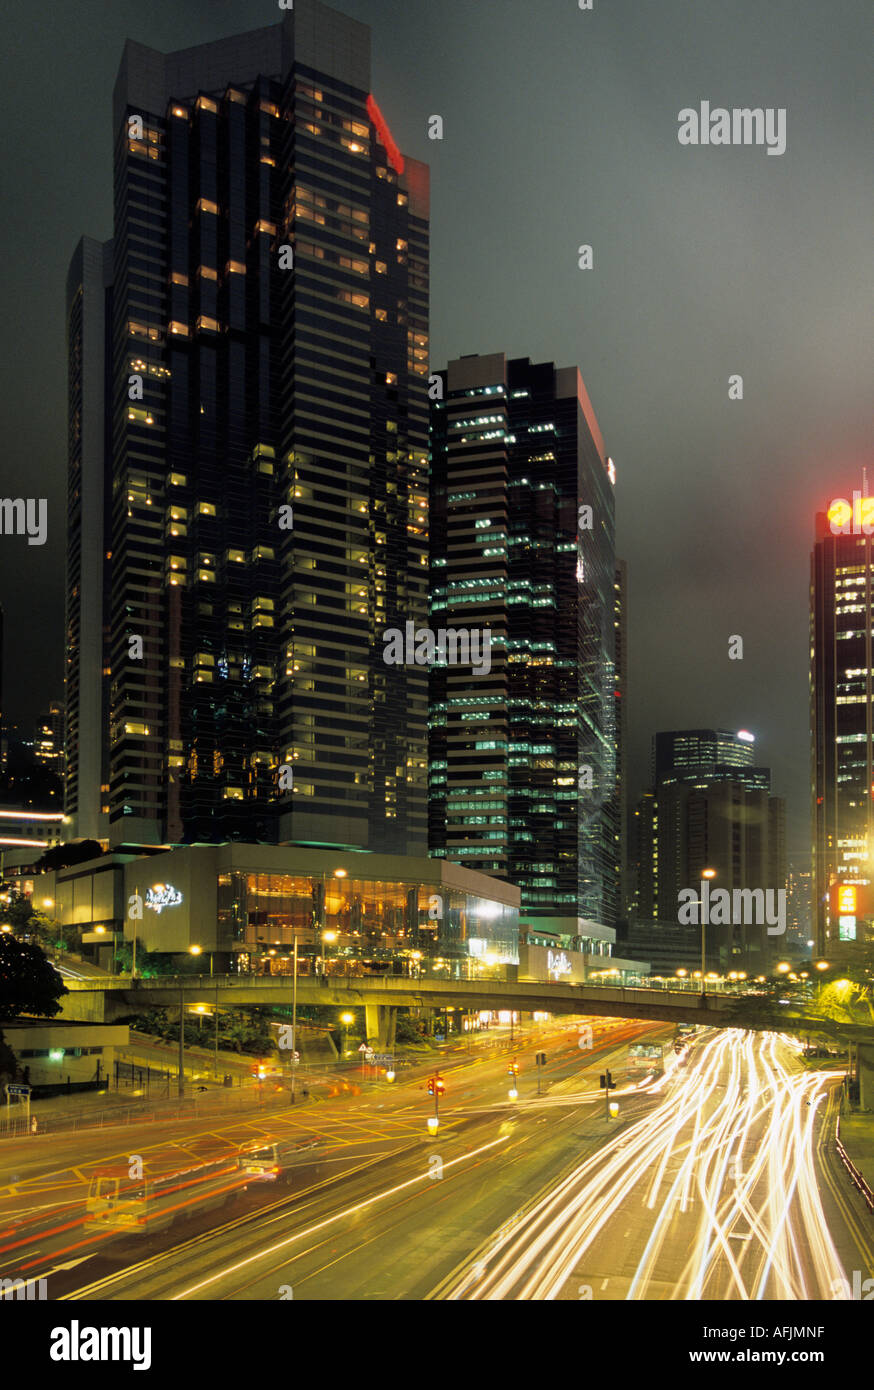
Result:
[
  {"x": 620, "y": 624},
  {"x": 523, "y": 755},
  {"x": 842, "y": 737},
  {"x": 248, "y": 454},
  {"x": 711, "y": 808}
]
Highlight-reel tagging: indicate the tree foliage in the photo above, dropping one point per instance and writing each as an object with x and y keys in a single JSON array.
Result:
[{"x": 29, "y": 984}]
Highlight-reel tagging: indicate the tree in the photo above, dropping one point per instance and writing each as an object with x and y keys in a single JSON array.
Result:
[
  {"x": 28, "y": 983},
  {"x": 8, "y": 1064},
  {"x": 76, "y": 852}
]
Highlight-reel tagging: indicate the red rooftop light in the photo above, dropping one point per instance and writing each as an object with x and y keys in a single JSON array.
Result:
[{"x": 395, "y": 158}]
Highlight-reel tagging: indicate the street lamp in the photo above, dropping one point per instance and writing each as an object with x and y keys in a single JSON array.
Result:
[
  {"x": 198, "y": 951},
  {"x": 709, "y": 874},
  {"x": 346, "y": 1019}
]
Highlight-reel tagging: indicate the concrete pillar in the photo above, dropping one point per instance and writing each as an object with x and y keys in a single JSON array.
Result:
[
  {"x": 380, "y": 1025},
  {"x": 865, "y": 1055}
]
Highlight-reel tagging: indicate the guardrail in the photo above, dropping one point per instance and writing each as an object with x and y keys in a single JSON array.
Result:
[{"x": 856, "y": 1177}]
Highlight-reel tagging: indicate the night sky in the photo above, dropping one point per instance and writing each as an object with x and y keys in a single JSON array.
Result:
[{"x": 560, "y": 129}]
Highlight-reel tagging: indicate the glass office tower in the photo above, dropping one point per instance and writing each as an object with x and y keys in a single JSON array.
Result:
[
  {"x": 267, "y": 415},
  {"x": 523, "y": 756},
  {"x": 842, "y": 738}
]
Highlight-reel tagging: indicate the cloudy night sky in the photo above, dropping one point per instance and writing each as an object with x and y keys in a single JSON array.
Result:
[{"x": 560, "y": 129}]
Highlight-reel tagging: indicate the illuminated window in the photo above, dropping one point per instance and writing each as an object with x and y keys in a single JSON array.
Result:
[
  {"x": 177, "y": 278},
  {"x": 262, "y": 226},
  {"x": 178, "y": 480},
  {"x": 179, "y": 330},
  {"x": 206, "y": 509},
  {"x": 206, "y": 324},
  {"x": 180, "y": 111},
  {"x": 235, "y": 268},
  {"x": 268, "y": 159},
  {"x": 264, "y": 552},
  {"x": 380, "y": 267},
  {"x": 207, "y": 272},
  {"x": 269, "y": 108},
  {"x": 237, "y": 556},
  {"x": 206, "y": 205},
  {"x": 380, "y": 315},
  {"x": 233, "y": 95},
  {"x": 206, "y": 576},
  {"x": 135, "y": 728},
  {"x": 206, "y": 104}
]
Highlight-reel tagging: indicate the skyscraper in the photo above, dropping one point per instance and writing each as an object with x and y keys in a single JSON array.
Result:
[
  {"x": 523, "y": 754},
  {"x": 841, "y": 699},
  {"x": 710, "y": 808},
  {"x": 620, "y": 624},
  {"x": 680, "y": 754},
  {"x": 264, "y": 515}
]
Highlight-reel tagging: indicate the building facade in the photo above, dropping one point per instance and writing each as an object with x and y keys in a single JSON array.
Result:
[
  {"x": 710, "y": 809},
  {"x": 523, "y": 749},
  {"x": 841, "y": 733},
  {"x": 259, "y": 489},
  {"x": 245, "y": 906}
]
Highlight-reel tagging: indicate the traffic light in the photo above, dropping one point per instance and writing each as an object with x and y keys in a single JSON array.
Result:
[
  {"x": 430, "y": 1085},
  {"x": 607, "y": 1082},
  {"x": 513, "y": 1068},
  {"x": 441, "y": 1085}
]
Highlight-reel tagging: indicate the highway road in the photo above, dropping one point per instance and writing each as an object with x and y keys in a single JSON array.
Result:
[{"x": 715, "y": 1183}]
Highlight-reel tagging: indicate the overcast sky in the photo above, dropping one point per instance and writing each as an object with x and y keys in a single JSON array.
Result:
[{"x": 560, "y": 129}]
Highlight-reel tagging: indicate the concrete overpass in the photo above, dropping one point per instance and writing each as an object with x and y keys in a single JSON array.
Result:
[{"x": 380, "y": 997}]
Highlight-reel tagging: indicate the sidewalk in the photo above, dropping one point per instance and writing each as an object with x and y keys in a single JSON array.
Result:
[{"x": 857, "y": 1136}]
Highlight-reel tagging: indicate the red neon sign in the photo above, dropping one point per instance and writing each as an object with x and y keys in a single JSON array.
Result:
[{"x": 395, "y": 158}]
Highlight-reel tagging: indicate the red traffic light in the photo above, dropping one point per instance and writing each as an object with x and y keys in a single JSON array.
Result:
[
  {"x": 430, "y": 1085},
  {"x": 441, "y": 1087}
]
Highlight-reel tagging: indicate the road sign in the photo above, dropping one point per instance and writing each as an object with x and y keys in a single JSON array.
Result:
[
  {"x": 18, "y": 1090},
  {"x": 364, "y": 1048},
  {"x": 541, "y": 1059}
]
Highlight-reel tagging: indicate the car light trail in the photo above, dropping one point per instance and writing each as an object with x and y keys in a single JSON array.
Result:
[{"x": 730, "y": 1151}]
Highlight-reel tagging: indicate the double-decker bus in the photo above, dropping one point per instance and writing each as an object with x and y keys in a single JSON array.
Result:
[
  {"x": 645, "y": 1059},
  {"x": 141, "y": 1206}
]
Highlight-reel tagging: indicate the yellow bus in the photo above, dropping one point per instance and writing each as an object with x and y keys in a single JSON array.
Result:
[{"x": 118, "y": 1202}]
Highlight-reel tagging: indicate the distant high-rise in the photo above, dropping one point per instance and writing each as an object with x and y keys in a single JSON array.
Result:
[
  {"x": 86, "y": 682},
  {"x": 523, "y": 755},
  {"x": 48, "y": 739},
  {"x": 248, "y": 454},
  {"x": 710, "y": 809},
  {"x": 682, "y": 754},
  {"x": 841, "y": 704}
]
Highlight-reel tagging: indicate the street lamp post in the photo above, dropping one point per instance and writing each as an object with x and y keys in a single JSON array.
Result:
[
  {"x": 709, "y": 874},
  {"x": 294, "y": 1024},
  {"x": 181, "y": 1040}
]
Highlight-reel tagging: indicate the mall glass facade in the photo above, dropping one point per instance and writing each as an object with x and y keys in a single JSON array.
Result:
[{"x": 363, "y": 926}]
